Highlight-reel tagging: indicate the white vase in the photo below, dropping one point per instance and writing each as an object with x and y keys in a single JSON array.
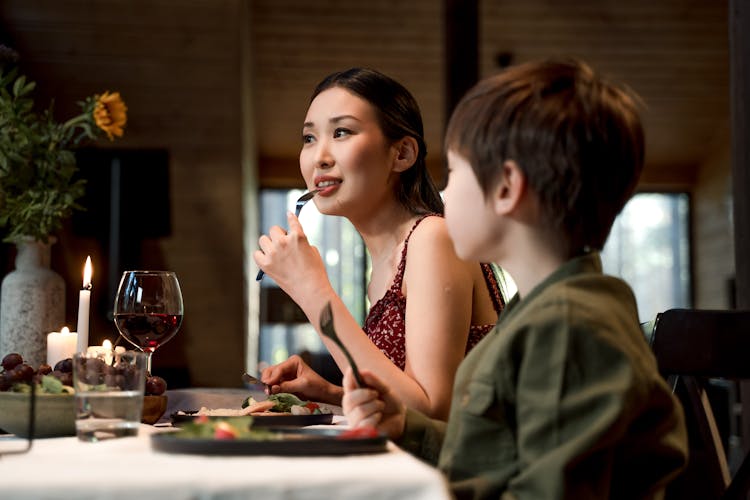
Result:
[{"x": 32, "y": 303}]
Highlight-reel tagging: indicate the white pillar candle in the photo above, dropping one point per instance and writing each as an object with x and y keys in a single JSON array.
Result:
[
  {"x": 104, "y": 350},
  {"x": 61, "y": 345},
  {"x": 84, "y": 304}
]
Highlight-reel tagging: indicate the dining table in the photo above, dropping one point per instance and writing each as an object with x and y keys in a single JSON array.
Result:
[{"x": 132, "y": 468}]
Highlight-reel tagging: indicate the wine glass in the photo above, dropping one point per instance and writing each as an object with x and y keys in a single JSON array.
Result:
[{"x": 148, "y": 309}]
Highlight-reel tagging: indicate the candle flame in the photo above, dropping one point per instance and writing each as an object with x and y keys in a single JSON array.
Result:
[
  {"x": 107, "y": 344},
  {"x": 65, "y": 330},
  {"x": 87, "y": 272}
]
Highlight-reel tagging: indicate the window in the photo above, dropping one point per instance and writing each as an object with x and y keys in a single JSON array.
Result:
[
  {"x": 649, "y": 249},
  {"x": 284, "y": 330}
]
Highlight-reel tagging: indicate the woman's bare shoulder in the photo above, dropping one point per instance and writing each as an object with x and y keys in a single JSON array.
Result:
[
  {"x": 429, "y": 229},
  {"x": 430, "y": 245}
]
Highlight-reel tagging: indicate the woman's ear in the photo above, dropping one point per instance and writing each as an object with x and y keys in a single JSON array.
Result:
[
  {"x": 510, "y": 190},
  {"x": 407, "y": 151}
]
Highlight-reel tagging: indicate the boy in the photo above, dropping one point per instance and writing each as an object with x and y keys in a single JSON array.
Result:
[{"x": 563, "y": 398}]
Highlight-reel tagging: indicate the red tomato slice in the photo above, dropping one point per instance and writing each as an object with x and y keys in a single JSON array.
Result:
[{"x": 224, "y": 431}]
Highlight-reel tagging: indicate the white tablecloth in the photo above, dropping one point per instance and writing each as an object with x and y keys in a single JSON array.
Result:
[{"x": 127, "y": 468}]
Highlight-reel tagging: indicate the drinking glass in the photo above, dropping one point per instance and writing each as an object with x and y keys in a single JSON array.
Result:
[
  {"x": 148, "y": 309},
  {"x": 108, "y": 393}
]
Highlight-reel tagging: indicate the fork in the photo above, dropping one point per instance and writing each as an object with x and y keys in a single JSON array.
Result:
[
  {"x": 250, "y": 380},
  {"x": 326, "y": 324},
  {"x": 297, "y": 209}
]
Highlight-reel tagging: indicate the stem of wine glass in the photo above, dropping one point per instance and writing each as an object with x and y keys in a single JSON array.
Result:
[{"x": 148, "y": 365}]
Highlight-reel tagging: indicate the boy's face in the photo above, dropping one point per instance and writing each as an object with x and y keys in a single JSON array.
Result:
[{"x": 467, "y": 212}]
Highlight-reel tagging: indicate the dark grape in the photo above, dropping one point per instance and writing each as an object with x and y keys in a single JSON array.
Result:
[
  {"x": 66, "y": 378},
  {"x": 155, "y": 386},
  {"x": 23, "y": 373},
  {"x": 92, "y": 371},
  {"x": 5, "y": 381},
  {"x": 95, "y": 365},
  {"x": 12, "y": 360},
  {"x": 44, "y": 369},
  {"x": 64, "y": 365},
  {"x": 115, "y": 380}
]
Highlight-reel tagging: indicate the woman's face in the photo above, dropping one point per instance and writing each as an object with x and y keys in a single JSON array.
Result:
[{"x": 345, "y": 154}]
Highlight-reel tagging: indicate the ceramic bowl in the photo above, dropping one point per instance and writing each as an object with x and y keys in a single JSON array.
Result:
[
  {"x": 55, "y": 414},
  {"x": 153, "y": 408}
]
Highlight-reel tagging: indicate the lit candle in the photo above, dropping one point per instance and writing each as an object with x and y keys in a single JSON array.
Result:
[
  {"x": 84, "y": 304},
  {"x": 106, "y": 350},
  {"x": 119, "y": 349},
  {"x": 61, "y": 345}
]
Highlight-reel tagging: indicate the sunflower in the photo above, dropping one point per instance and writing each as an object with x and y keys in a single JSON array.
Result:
[
  {"x": 110, "y": 114},
  {"x": 39, "y": 187}
]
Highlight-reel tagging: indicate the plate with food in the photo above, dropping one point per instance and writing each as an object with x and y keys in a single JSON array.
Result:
[
  {"x": 240, "y": 436},
  {"x": 279, "y": 410}
]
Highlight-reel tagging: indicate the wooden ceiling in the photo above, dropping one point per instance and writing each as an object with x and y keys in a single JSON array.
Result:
[{"x": 674, "y": 54}]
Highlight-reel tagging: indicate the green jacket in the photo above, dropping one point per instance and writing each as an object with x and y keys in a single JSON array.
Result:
[{"x": 561, "y": 400}]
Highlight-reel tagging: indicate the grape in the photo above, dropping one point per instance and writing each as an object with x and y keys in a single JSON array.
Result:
[
  {"x": 5, "y": 381},
  {"x": 64, "y": 365},
  {"x": 44, "y": 369},
  {"x": 12, "y": 360},
  {"x": 66, "y": 378},
  {"x": 155, "y": 386},
  {"x": 23, "y": 373}
]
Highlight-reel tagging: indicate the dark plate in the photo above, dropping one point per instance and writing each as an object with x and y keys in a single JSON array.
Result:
[
  {"x": 281, "y": 420},
  {"x": 292, "y": 442}
]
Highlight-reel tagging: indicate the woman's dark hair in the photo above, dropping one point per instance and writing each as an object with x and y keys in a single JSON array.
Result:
[{"x": 398, "y": 115}]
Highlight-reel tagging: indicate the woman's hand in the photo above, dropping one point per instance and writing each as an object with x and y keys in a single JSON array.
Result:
[
  {"x": 295, "y": 265},
  {"x": 373, "y": 406},
  {"x": 296, "y": 376}
]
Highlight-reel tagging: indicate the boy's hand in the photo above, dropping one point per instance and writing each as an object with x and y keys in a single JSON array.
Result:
[{"x": 373, "y": 406}]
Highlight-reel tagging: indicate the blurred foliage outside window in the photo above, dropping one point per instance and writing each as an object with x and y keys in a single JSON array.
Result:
[{"x": 649, "y": 248}]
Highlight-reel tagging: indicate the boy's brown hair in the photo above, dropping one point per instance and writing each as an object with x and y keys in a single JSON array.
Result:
[{"x": 577, "y": 139}]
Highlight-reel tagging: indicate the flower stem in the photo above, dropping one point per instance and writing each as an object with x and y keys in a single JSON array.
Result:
[{"x": 75, "y": 121}]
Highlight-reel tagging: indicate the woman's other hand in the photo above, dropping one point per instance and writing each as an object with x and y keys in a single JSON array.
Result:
[
  {"x": 295, "y": 376},
  {"x": 373, "y": 406}
]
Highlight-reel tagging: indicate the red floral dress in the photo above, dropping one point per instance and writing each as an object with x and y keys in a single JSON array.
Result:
[{"x": 385, "y": 324}]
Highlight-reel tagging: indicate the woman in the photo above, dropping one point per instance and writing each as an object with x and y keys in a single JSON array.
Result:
[{"x": 363, "y": 148}]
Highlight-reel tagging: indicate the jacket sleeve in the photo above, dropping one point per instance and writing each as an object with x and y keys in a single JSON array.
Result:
[{"x": 422, "y": 436}]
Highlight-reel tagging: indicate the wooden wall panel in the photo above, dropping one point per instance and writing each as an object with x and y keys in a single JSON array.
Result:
[{"x": 712, "y": 244}]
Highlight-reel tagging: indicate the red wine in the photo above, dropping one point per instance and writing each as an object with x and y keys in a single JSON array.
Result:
[{"x": 148, "y": 331}]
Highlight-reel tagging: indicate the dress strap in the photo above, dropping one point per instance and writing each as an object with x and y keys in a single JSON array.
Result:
[
  {"x": 399, "y": 278},
  {"x": 493, "y": 286}
]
